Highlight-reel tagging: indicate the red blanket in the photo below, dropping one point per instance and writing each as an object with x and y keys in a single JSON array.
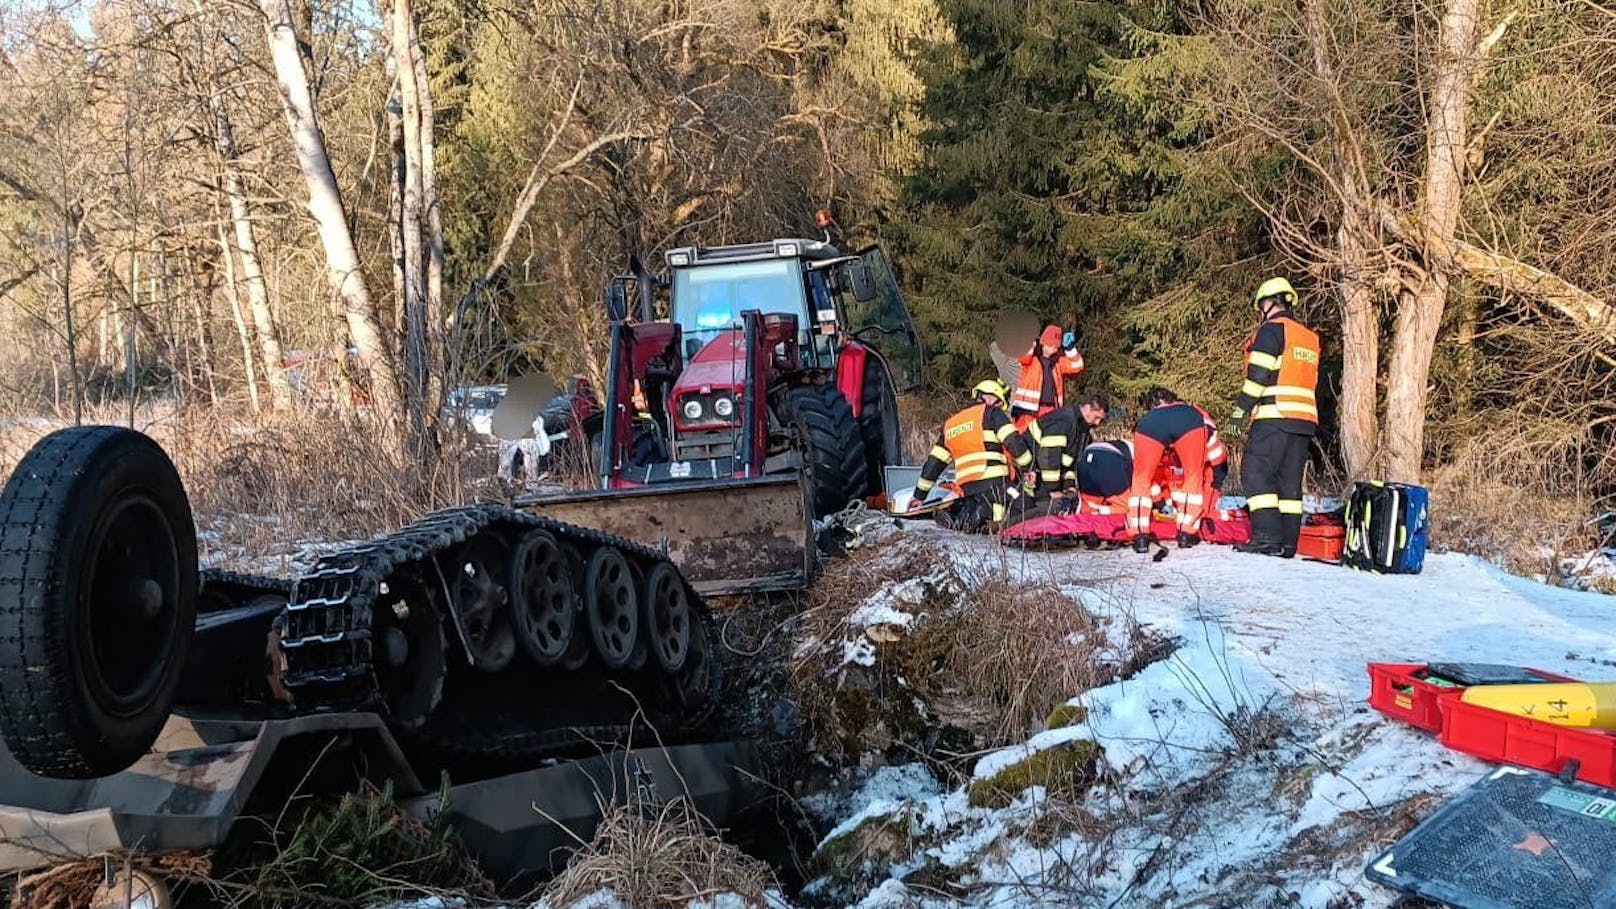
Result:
[{"x": 1224, "y": 526}]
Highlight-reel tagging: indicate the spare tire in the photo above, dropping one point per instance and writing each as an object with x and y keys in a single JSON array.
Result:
[
  {"x": 832, "y": 447},
  {"x": 98, "y": 587}
]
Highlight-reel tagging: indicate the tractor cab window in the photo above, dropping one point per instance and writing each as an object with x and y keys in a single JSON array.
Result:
[{"x": 710, "y": 298}]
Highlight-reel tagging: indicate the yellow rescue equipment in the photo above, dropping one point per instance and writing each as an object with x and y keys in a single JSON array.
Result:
[{"x": 1585, "y": 705}]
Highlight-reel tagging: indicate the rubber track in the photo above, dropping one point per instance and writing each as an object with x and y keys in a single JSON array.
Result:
[{"x": 328, "y": 645}]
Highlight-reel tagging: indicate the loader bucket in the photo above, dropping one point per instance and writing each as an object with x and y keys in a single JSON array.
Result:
[{"x": 727, "y": 536}]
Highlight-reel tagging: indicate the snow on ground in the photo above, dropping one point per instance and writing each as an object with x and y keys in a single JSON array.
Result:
[{"x": 1246, "y": 768}]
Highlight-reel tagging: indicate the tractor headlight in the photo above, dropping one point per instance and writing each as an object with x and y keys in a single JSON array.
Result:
[
  {"x": 692, "y": 409},
  {"x": 724, "y": 407}
]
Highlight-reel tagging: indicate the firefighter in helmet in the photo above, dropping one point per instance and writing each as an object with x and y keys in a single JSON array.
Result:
[
  {"x": 982, "y": 444},
  {"x": 1279, "y": 397}
]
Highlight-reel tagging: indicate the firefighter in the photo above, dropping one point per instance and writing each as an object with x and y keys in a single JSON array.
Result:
[
  {"x": 1057, "y": 439},
  {"x": 1044, "y": 369},
  {"x": 1282, "y": 373},
  {"x": 1168, "y": 424},
  {"x": 981, "y": 443}
]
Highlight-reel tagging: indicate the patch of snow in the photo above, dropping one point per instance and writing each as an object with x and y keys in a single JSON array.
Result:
[{"x": 1284, "y": 640}]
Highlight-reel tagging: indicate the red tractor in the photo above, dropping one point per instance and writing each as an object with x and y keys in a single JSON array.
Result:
[{"x": 778, "y": 366}]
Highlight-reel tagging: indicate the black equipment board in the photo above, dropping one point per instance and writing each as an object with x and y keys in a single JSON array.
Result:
[{"x": 1519, "y": 839}]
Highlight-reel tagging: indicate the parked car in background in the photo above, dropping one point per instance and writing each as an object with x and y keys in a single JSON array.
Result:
[{"x": 473, "y": 406}]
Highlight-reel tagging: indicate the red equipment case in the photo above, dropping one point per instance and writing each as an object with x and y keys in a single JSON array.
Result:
[
  {"x": 1322, "y": 540},
  {"x": 1403, "y": 691},
  {"x": 1494, "y": 735}
]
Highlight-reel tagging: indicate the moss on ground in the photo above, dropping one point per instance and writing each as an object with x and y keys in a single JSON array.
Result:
[
  {"x": 1065, "y": 771},
  {"x": 1066, "y": 715}
]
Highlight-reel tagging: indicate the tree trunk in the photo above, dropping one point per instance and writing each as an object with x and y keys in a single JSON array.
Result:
[
  {"x": 1355, "y": 237},
  {"x": 252, "y": 272},
  {"x": 1419, "y": 312},
  {"x": 416, "y": 338},
  {"x": 325, "y": 206},
  {"x": 248, "y": 367},
  {"x": 429, "y": 202}
]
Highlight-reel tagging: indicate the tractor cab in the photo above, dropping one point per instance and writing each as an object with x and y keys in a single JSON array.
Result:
[{"x": 760, "y": 358}]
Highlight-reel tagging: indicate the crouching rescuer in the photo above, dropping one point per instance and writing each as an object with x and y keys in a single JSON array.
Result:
[
  {"x": 1282, "y": 375},
  {"x": 982, "y": 443},
  {"x": 1170, "y": 424}
]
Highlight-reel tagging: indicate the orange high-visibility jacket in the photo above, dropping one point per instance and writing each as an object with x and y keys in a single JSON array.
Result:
[
  {"x": 975, "y": 441},
  {"x": 1029, "y": 393},
  {"x": 1282, "y": 375}
]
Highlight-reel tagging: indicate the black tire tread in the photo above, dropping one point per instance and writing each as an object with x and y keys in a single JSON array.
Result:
[
  {"x": 834, "y": 447},
  {"x": 41, "y": 720}
]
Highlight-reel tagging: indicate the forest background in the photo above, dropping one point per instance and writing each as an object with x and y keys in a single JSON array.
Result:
[{"x": 265, "y": 210}]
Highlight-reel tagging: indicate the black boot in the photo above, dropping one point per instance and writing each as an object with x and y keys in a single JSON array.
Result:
[
  {"x": 1258, "y": 546},
  {"x": 1186, "y": 540},
  {"x": 1141, "y": 542}
]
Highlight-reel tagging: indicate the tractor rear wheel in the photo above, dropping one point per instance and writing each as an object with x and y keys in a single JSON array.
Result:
[
  {"x": 98, "y": 555},
  {"x": 878, "y": 424},
  {"x": 832, "y": 447}
]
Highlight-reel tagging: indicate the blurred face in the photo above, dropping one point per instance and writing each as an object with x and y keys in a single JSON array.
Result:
[
  {"x": 1093, "y": 416},
  {"x": 989, "y": 400},
  {"x": 1048, "y": 349}
]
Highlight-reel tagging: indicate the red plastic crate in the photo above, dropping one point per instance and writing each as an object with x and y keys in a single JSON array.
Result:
[
  {"x": 1322, "y": 542},
  {"x": 1400, "y": 691},
  {"x": 1494, "y": 735}
]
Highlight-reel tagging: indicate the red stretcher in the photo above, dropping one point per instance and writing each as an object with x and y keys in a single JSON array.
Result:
[{"x": 1227, "y": 527}]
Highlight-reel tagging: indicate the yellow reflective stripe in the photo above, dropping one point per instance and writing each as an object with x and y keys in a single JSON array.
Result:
[
  {"x": 1024, "y": 459},
  {"x": 1050, "y": 476},
  {"x": 1295, "y": 391},
  {"x": 1264, "y": 360},
  {"x": 978, "y": 457},
  {"x": 941, "y": 453},
  {"x": 1263, "y": 500},
  {"x": 1290, "y": 506},
  {"x": 1035, "y": 431},
  {"x": 1255, "y": 389},
  {"x": 992, "y": 473},
  {"x": 1003, "y": 433},
  {"x": 1067, "y": 460},
  {"x": 998, "y": 512},
  {"x": 923, "y": 485},
  {"x": 1283, "y": 410}
]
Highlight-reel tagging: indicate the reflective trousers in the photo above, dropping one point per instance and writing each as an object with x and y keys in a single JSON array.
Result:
[
  {"x": 1189, "y": 500},
  {"x": 1271, "y": 468}
]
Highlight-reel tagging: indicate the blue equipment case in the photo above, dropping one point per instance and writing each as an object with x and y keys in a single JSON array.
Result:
[{"x": 1388, "y": 526}]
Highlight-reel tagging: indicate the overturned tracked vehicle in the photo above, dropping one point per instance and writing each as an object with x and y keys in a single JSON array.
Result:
[{"x": 478, "y": 640}]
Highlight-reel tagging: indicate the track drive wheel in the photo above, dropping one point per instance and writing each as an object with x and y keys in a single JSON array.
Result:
[
  {"x": 484, "y": 604},
  {"x": 98, "y": 562},
  {"x": 544, "y": 598},
  {"x": 612, "y": 604},
  {"x": 409, "y": 649},
  {"x": 832, "y": 448},
  {"x": 667, "y": 617}
]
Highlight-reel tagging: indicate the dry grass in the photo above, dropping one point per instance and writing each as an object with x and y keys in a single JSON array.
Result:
[
  {"x": 653, "y": 856},
  {"x": 920, "y": 415},
  {"x": 262, "y": 483},
  {"x": 986, "y": 652},
  {"x": 1526, "y": 531}
]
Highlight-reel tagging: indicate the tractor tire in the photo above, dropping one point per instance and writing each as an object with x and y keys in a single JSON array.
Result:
[
  {"x": 878, "y": 425},
  {"x": 98, "y": 590},
  {"x": 832, "y": 448}
]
